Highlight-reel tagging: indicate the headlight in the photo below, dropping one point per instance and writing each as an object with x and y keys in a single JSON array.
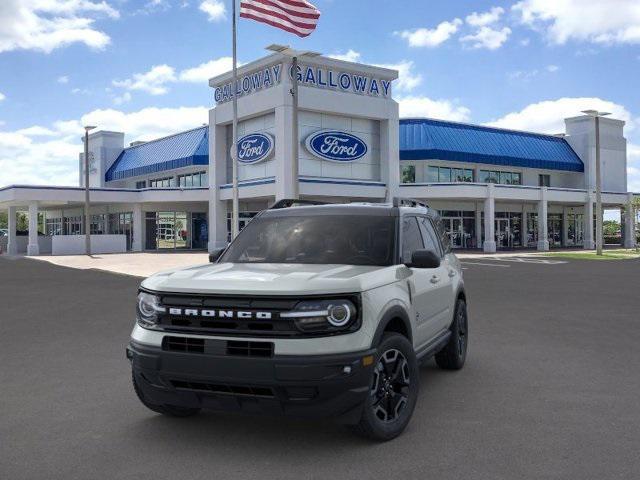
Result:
[
  {"x": 323, "y": 315},
  {"x": 147, "y": 309}
]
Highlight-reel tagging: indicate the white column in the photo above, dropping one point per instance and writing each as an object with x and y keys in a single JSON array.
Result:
[
  {"x": 138, "y": 221},
  {"x": 218, "y": 209},
  {"x": 284, "y": 156},
  {"x": 390, "y": 154},
  {"x": 589, "y": 242},
  {"x": 32, "y": 246},
  {"x": 478, "y": 225},
  {"x": 489, "y": 245},
  {"x": 543, "y": 240},
  {"x": 629, "y": 224},
  {"x": 12, "y": 246},
  {"x": 565, "y": 227}
]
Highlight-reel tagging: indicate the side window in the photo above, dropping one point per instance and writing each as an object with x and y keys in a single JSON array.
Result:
[
  {"x": 411, "y": 238},
  {"x": 445, "y": 240},
  {"x": 429, "y": 235}
]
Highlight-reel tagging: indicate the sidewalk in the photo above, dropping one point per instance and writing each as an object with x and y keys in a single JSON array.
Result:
[{"x": 136, "y": 264}]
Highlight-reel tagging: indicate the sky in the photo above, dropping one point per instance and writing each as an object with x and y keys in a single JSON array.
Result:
[{"x": 141, "y": 66}]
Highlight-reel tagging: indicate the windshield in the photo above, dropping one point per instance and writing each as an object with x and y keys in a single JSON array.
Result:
[{"x": 324, "y": 239}]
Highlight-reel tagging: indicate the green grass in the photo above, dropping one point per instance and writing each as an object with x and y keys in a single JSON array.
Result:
[{"x": 618, "y": 254}]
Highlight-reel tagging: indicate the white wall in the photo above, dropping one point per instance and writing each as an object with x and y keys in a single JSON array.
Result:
[
  {"x": 74, "y": 244},
  {"x": 105, "y": 147}
]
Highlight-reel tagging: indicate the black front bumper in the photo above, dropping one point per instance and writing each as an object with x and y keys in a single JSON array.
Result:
[{"x": 300, "y": 386}]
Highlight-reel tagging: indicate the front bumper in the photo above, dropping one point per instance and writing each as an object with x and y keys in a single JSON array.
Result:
[{"x": 301, "y": 386}]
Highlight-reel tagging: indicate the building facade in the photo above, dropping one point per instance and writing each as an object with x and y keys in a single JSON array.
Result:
[{"x": 496, "y": 189}]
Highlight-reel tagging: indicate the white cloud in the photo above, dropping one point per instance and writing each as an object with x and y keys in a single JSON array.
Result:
[
  {"x": 486, "y": 18},
  {"x": 595, "y": 21},
  {"x": 525, "y": 42},
  {"x": 214, "y": 9},
  {"x": 349, "y": 56},
  {"x": 420, "y": 106},
  {"x": 120, "y": 99},
  {"x": 63, "y": 79},
  {"x": 407, "y": 78},
  {"x": 487, "y": 37},
  {"x": 552, "y": 68},
  {"x": 48, "y": 155},
  {"x": 203, "y": 72},
  {"x": 154, "y": 81},
  {"x": 45, "y": 25},
  {"x": 526, "y": 75},
  {"x": 2, "y": 96},
  {"x": 424, "y": 37},
  {"x": 548, "y": 116}
]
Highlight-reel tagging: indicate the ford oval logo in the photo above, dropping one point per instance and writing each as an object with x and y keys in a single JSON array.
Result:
[
  {"x": 255, "y": 148},
  {"x": 336, "y": 146}
]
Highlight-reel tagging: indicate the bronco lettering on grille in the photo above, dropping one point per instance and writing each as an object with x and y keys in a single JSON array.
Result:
[{"x": 239, "y": 314}]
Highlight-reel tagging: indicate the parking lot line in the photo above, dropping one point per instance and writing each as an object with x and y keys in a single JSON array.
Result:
[{"x": 485, "y": 264}]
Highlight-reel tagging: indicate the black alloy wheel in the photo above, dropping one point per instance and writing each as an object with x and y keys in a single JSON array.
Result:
[{"x": 390, "y": 388}]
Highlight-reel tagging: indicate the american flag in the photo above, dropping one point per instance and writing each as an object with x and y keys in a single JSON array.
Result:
[{"x": 294, "y": 16}]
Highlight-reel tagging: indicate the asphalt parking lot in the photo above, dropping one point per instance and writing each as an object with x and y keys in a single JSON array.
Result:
[{"x": 551, "y": 388}]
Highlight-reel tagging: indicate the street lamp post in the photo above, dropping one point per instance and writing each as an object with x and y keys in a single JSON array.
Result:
[
  {"x": 87, "y": 217},
  {"x": 596, "y": 114},
  {"x": 295, "y": 146}
]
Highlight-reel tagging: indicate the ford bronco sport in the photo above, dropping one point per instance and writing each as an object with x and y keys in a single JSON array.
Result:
[{"x": 313, "y": 310}]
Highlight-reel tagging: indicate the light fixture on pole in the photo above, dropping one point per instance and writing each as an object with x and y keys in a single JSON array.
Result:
[
  {"x": 295, "y": 146},
  {"x": 87, "y": 217},
  {"x": 596, "y": 114}
]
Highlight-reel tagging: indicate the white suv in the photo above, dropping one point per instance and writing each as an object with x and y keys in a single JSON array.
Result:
[{"x": 314, "y": 310}]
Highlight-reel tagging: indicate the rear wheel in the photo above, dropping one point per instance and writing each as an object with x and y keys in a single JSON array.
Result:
[
  {"x": 393, "y": 392},
  {"x": 170, "y": 410},
  {"x": 454, "y": 354}
]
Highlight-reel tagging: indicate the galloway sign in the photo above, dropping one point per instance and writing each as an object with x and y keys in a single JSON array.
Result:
[
  {"x": 255, "y": 148},
  {"x": 331, "y": 79},
  {"x": 248, "y": 84},
  {"x": 336, "y": 146}
]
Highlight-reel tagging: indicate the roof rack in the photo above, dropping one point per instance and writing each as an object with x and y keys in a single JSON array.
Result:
[
  {"x": 294, "y": 202},
  {"x": 408, "y": 202}
]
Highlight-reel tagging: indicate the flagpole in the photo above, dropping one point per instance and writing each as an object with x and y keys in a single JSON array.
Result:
[
  {"x": 294, "y": 129},
  {"x": 234, "y": 148}
]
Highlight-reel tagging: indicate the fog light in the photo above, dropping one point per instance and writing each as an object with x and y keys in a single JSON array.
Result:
[{"x": 368, "y": 360}]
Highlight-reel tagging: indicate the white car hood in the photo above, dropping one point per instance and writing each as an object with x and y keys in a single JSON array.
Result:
[{"x": 272, "y": 278}]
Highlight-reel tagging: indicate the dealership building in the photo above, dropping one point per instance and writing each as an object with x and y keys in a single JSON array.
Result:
[{"x": 495, "y": 189}]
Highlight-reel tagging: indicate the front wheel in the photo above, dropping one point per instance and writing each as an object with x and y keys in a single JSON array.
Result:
[
  {"x": 454, "y": 354},
  {"x": 393, "y": 392}
]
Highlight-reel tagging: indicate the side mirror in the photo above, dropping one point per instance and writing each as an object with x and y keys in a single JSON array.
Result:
[
  {"x": 215, "y": 255},
  {"x": 424, "y": 259}
]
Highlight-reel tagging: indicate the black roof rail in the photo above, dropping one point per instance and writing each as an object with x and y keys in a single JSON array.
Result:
[
  {"x": 294, "y": 202},
  {"x": 408, "y": 202}
]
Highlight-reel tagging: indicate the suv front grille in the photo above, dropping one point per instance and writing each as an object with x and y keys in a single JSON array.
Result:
[
  {"x": 232, "y": 315},
  {"x": 218, "y": 347}
]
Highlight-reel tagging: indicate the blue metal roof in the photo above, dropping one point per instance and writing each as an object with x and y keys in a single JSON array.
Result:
[
  {"x": 183, "y": 149},
  {"x": 427, "y": 139}
]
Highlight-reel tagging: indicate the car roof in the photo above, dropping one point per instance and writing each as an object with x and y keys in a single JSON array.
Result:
[{"x": 361, "y": 209}]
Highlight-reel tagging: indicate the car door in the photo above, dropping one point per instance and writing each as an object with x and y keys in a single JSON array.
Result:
[
  {"x": 438, "y": 306},
  {"x": 422, "y": 284}
]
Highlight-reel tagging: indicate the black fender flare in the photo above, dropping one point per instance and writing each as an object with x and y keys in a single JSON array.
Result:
[{"x": 393, "y": 312}]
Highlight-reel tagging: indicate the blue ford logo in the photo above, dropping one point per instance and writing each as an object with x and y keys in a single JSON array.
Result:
[
  {"x": 336, "y": 146},
  {"x": 255, "y": 147}
]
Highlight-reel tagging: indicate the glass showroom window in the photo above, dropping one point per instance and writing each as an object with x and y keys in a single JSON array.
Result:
[
  {"x": 447, "y": 174},
  {"x": 53, "y": 226},
  {"x": 142, "y": 184},
  {"x": 504, "y": 178},
  {"x": 162, "y": 182},
  {"x": 544, "y": 180},
  {"x": 190, "y": 180},
  {"x": 408, "y": 174}
]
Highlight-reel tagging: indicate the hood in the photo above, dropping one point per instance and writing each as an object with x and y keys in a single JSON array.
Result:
[{"x": 271, "y": 279}]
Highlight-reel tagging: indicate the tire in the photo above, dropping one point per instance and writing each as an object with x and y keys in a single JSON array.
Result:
[
  {"x": 454, "y": 354},
  {"x": 393, "y": 390},
  {"x": 169, "y": 410}
]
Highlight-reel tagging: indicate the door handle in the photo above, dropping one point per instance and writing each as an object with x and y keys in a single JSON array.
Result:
[{"x": 435, "y": 279}]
